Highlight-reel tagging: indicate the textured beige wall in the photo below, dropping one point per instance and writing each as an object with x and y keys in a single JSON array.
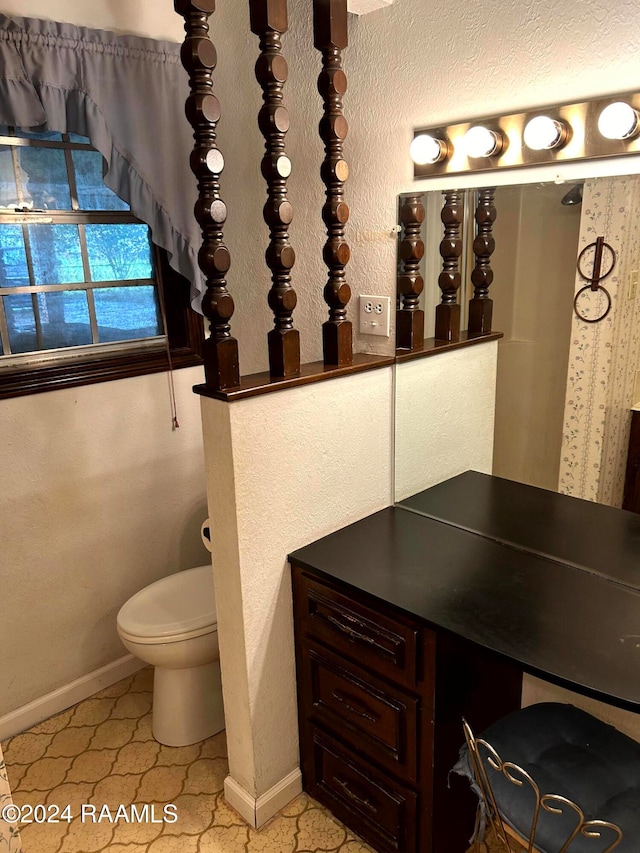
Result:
[
  {"x": 99, "y": 496},
  {"x": 283, "y": 470},
  {"x": 153, "y": 18},
  {"x": 436, "y": 437}
]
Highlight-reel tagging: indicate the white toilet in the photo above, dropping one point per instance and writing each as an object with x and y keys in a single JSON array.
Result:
[{"x": 172, "y": 625}]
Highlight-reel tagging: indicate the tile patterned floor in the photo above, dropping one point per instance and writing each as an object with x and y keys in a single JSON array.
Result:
[{"x": 102, "y": 752}]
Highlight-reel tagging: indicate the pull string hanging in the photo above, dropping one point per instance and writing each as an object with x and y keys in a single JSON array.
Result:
[{"x": 172, "y": 390}]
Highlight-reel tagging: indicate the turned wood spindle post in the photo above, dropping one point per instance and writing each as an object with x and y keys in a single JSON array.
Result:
[
  {"x": 199, "y": 58},
  {"x": 448, "y": 312},
  {"x": 481, "y": 306},
  {"x": 269, "y": 22},
  {"x": 330, "y": 37},
  {"x": 410, "y": 318}
]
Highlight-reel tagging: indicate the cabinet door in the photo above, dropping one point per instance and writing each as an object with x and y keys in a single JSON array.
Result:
[
  {"x": 379, "y": 810},
  {"x": 385, "y": 645},
  {"x": 372, "y": 717}
]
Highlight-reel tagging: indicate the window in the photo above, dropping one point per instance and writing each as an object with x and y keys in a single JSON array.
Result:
[{"x": 82, "y": 288}]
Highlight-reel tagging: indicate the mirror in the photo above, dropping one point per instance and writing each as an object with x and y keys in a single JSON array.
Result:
[{"x": 565, "y": 386}]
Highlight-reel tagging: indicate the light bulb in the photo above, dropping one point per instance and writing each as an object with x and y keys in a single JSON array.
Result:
[
  {"x": 543, "y": 133},
  {"x": 618, "y": 121},
  {"x": 481, "y": 142},
  {"x": 427, "y": 149}
]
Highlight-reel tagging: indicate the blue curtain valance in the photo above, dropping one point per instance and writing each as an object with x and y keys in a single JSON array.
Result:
[{"x": 127, "y": 95}]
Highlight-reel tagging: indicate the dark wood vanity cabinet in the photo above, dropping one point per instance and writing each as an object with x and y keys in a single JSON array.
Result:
[
  {"x": 414, "y": 617},
  {"x": 381, "y": 696}
]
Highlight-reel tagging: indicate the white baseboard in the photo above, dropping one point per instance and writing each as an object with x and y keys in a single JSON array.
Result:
[
  {"x": 258, "y": 810},
  {"x": 64, "y": 697}
]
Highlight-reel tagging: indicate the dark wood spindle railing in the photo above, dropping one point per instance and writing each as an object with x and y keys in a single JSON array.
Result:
[
  {"x": 220, "y": 350},
  {"x": 448, "y": 312},
  {"x": 330, "y": 37},
  {"x": 481, "y": 306},
  {"x": 269, "y": 22},
  {"x": 410, "y": 317}
]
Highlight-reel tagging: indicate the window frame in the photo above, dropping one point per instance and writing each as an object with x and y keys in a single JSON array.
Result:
[
  {"x": 185, "y": 336},
  {"x": 184, "y": 327}
]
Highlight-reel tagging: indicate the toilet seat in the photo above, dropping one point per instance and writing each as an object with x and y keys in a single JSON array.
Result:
[
  {"x": 167, "y": 638},
  {"x": 179, "y": 607}
]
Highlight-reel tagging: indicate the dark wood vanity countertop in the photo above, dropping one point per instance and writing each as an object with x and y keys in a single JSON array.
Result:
[
  {"x": 559, "y": 622},
  {"x": 590, "y": 536}
]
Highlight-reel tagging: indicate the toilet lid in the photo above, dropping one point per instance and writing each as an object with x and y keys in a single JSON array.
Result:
[{"x": 173, "y": 605}]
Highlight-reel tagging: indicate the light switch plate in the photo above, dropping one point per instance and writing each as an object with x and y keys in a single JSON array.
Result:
[{"x": 375, "y": 315}]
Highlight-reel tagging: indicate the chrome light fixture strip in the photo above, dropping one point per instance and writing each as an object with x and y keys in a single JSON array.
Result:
[{"x": 583, "y": 140}]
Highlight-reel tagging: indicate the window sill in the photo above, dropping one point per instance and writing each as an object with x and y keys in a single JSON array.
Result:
[
  {"x": 185, "y": 331},
  {"x": 71, "y": 374}
]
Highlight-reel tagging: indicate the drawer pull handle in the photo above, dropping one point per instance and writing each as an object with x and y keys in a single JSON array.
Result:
[
  {"x": 359, "y": 801},
  {"x": 343, "y": 701},
  {"x": 355, "y": 635}
]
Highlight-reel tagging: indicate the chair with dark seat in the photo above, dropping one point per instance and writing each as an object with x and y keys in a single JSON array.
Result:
[{"x": 555, "y": 779}]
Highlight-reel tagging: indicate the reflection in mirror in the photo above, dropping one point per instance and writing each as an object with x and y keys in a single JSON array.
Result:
[
  {"x": 565, "y": 386},
  {"x": 534, "y": 273}
]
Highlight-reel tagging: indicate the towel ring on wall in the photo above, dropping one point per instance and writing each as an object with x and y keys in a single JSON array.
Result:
[{"x": 595, "y": 278}]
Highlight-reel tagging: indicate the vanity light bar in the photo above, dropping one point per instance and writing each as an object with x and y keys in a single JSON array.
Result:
[{"x": 603, "y": 127}]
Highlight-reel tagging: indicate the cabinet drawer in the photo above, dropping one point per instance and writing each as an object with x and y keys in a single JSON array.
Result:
[
  {"x": 374, "y": 718},
  {"x": 382, "y": 812},
  {"x": 373, "y": 639}
]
